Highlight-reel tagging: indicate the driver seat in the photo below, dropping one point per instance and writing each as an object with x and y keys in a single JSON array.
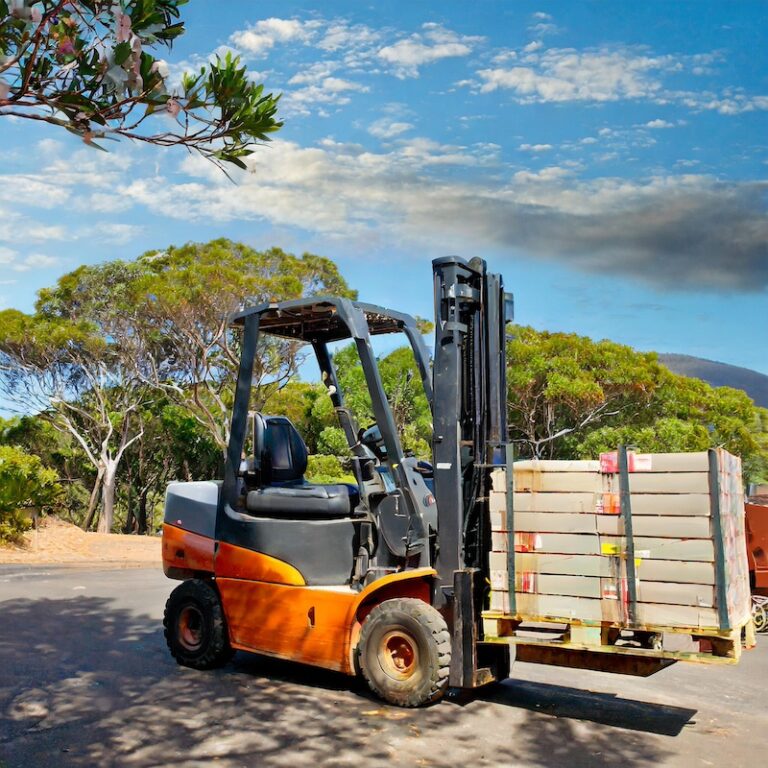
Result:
[{"x": 280, "y": 461}]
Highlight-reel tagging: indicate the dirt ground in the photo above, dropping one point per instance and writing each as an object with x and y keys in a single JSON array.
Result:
[{"x": 55, "y": 541}]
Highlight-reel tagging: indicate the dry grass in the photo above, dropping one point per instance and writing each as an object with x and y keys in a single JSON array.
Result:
[{"x": 55, "y": 541}]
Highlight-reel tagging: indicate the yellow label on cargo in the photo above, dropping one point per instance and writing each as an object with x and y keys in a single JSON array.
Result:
[{"x": 610, "y": 548}]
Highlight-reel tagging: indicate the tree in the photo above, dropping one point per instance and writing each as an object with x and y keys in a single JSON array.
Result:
[
  {"x": 25, "y": 486},
  {"x": 172, "y": 445},
  {"x": 571, "y": 397},
  {"x": 179, "y": 309},
  {"x": 559, "y": 384},
  {"x": 86, "y": 66},
  {"x": 71, "y": 369},
  {"x": 404, "y": 390},
  {"x": 108, "y": 341}
]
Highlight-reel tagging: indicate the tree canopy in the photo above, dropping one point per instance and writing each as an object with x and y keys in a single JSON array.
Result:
[
  {"x": 112, "y": 347},
  {"x": 571, "y": 397},
  {"x": 126, "y": 370},
  {"x": 89, "y": 67}
]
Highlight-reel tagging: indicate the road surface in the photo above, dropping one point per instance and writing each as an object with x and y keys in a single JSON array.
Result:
[{"x": 86, "y": 680}]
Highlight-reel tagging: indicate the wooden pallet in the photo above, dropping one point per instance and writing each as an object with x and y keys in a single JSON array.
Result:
[{"x": 653, "y": 642}]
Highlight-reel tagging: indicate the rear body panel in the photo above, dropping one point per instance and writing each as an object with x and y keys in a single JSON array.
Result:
[{"x": 757, "y": 546}]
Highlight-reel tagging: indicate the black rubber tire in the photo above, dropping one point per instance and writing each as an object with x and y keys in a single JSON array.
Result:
[
  {"x": 418, "y": 628},
  {"x": 194, "y": 626}
]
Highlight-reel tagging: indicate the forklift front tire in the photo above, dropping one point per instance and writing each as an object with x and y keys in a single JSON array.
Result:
[
  {"x": 194, "y": 626},
  {"x": 404, "y": 652}
]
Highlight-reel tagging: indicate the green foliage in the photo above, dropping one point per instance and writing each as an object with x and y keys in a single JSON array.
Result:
[
  {"x": 405, "y": 394},
  {"x": 571, "y": 397},
  {"x": 178, "y": 308},
  {"x": 560, "y": 383},
  {"x": 136, "y": 362},
  {"x": 327, "y": 470},
  {"x": 25, "y": 486},
  {"x": 333, "y": 441},
  {"x": 89, "y": 68},
  {"x": 58, "y": 451}
]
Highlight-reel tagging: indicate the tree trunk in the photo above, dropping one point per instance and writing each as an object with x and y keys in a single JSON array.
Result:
[
  {"x": 93, "y": 501},
  {"x": 108, "y": 498},
  {"x": 130, "y": 517},
  {"x": 142, "y": 516}
]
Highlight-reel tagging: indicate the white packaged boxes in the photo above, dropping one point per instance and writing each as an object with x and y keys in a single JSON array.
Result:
[{"x": 564, "y": 539}]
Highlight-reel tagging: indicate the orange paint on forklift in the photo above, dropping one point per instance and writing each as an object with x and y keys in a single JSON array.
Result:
[
  {"x": 240, "y": 563},
  {"x": 312, "y": 625},
  {"x": 186, "y": 553}
]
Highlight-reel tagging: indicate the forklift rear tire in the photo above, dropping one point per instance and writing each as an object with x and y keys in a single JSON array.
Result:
[
  {"x": 404, "y": 652},
  {"x": 194, "y": 626}
]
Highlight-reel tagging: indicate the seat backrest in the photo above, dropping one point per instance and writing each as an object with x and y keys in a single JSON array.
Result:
[{"x": 279, "y": 450}]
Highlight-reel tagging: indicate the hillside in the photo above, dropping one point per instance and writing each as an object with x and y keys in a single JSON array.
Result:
[{"x": 720, "y": 375}]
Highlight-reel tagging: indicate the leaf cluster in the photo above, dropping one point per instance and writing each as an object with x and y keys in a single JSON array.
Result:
[
  {"x": 25, "y": 486},
  {"x": 89, "y": 67}
]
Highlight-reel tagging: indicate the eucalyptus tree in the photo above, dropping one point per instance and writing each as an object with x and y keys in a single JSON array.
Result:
[
  {"x": 72, "y": 372},
  {"x": 108, "y": 340},
  {"x": 179, "y": 309}
]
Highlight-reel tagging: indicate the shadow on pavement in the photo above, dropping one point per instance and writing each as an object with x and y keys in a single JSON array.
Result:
[{"x": 83, "y": 683}]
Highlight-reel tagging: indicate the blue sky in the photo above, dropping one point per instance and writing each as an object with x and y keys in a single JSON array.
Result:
[{"x": 610, "y": 159}]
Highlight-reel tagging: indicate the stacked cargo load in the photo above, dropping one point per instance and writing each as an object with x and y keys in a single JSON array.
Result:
[{"x": 647, "y": 542}]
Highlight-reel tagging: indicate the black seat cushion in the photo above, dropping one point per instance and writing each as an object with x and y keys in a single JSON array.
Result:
[
  {"x": 281, "y": 461},
  {"x": 303, "y": 500}
]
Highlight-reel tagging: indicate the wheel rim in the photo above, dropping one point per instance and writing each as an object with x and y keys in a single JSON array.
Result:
[
  {"x": 760, "y": 617},
  {"x": 190, "y": 628},
  {"x": 398, "y": 655}
]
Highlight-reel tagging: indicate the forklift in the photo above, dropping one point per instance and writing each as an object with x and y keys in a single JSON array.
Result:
[{"x": 387, "y": 577}]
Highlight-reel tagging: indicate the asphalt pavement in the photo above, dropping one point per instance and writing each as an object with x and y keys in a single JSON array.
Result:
[{"x": 86, "y": 680}]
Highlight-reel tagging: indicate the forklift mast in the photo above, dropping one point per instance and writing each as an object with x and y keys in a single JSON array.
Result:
[
  {"x": 469, "y": 439},
  {"x": 470, "y": 420}
]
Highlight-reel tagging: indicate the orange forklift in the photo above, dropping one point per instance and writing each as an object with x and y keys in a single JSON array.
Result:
[{"x": 386, "y": 577}]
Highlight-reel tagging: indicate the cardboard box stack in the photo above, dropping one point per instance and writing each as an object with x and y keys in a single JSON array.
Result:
[{"x": 571, "y": 550}]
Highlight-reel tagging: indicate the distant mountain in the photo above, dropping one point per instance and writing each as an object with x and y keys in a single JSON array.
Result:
[{"x": 721, "y": 375}]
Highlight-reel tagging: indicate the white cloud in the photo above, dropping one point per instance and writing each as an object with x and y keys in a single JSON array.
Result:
[
  {"x": 314, "y": 73},
  {"x": 328, "y": 91},
  {"x": 7, "y": 256},
  {"x": 535, "y": 147},
  {"x": 730, "y": 102},
  {"x": 607, "y": 74},
  {"x": 260, "y": 37},
  {"x": 658, "y": 123},
  {"x": 434, "y": 43},
  {"x": 35, "y": 261},
  {"x": 340, "y": 35},
  {"x": 13, "y": 260},
  {"x": 542, "y": 24},
  {"x": 38, "y": 190},
  {"x": 678, "y": 232},
  {"x": 565, "y": 74},
  {"x": 37, "y": 232},
  {"x": 110, "y": 232},
  {"x": 388, "y": 129}
]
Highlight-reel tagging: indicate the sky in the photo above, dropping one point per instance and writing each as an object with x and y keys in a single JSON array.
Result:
[{"x": 610, "y": 159}]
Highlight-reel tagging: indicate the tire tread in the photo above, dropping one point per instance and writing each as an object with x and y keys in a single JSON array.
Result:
[{"x": 434, "y": 624}]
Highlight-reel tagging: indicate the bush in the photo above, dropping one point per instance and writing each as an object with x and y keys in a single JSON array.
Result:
[
  {"x": 25, "y": 486},
  {"x": 333, "y": 442},
  {"x": 327, "y": 470}
]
